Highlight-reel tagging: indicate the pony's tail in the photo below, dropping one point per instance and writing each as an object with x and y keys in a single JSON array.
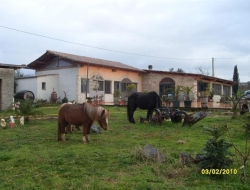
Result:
[{"x": 59, "y": 137}]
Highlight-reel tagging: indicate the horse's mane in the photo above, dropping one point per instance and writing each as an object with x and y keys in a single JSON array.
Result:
[{"x": 94, "y": 112}]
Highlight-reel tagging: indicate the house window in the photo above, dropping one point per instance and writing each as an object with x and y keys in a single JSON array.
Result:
[
  {"x": 84, "y": 85},
  {"x": 166, "y": 86},
  {"x": 216, "y": 89},
  {"x": 226, "y": 90},
  {"x": 107, "y": 87},
  {"x": 43, "y": 85},
  {"x": 202, "y": 86},
  {"x": 100, "y": 84},
  {"x": 116, "y": 85},
  {"x": 124, "y": 87}
]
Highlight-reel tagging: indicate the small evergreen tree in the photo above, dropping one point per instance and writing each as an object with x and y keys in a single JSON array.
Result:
[
  {"x": 236, "y": 79},
  {"x": 216, "y": 154}
]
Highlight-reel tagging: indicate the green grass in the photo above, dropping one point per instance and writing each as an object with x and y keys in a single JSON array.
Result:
[{"x": 32, "y": 158}]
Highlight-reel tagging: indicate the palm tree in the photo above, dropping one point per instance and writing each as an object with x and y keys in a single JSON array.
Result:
[
  {"x": 26, "y": 108},
  {"x": 187, "y": 90}
]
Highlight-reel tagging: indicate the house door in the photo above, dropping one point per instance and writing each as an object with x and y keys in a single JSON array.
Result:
[
  {"x": 167, "y": 86},
  {"x": 96, "y": 86}
]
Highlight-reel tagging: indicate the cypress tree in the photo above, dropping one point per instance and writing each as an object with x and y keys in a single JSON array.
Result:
[{"x": 236, "y": 79}]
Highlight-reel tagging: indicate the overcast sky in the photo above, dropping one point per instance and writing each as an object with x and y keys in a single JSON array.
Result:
[{"x": 166, "y": 34}]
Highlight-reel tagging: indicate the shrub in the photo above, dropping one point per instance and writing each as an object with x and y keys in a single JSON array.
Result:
[{"x": 216, "y": 154}]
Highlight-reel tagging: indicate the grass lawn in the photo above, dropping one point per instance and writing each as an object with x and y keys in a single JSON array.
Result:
[{"x": 32, "y": 158}]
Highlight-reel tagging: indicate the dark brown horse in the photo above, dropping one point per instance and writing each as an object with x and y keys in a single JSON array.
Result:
[
  {"x": 146, "y": 101},
  {"x": 81, "y": 115}
]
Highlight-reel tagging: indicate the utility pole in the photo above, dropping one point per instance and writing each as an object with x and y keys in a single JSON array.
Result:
[
  {"x": 87, "y": 82},
  {"x": 212, "y": 67}
]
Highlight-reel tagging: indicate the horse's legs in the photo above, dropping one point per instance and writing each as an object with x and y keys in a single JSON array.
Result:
[
  {"x": 61, "y": 130},
  {"x": 131, "y": 113},
  {"x": 86, "y": 131},
  {"x": 89, "y": 129},
  {"x": 149, "y": 113},
  {"x": 69, "y": 128}
]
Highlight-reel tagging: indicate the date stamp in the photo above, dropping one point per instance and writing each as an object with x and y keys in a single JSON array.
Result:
[{"x": 219, "y": 171}]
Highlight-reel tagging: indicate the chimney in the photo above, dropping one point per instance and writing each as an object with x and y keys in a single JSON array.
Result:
[{"x": 150, "y": 67}]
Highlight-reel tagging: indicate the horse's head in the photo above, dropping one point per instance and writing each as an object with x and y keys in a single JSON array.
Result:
[{"x": 103, "y": 119}]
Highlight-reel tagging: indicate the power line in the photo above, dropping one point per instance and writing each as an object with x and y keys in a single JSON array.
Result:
[{"x": 105, "y": 49}]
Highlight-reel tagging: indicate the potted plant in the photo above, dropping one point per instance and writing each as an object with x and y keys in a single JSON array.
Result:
[
  {"x": 176, "y": 101},
  {"x": 65, "y": 99},
  {"x": 117, "y": 95},
  {"x": 204, "y": 97},
  {"x": 187, "y": 90},
  {"x": 101, "y": 102},
  {"x": 167, "y": 100},
  {"x": 130, "y": 89},
  {"x": 89, "y": 99},
  {"x": 95, "y": 100}
]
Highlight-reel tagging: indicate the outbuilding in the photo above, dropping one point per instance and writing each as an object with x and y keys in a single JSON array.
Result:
[{"x": 7, "y": 72}]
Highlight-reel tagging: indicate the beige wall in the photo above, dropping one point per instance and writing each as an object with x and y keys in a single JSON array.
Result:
[
  {"x": 150, "y": 81},
  {"x": 107, "y": 74}
]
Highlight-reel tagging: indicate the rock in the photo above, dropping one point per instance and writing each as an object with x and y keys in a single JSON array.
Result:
[
  {"x": 185, "y": 158},
  {"x": 153, "y": 153},
  {"x": 199, "y": 158},
  {"x": 96, "y": 129}
]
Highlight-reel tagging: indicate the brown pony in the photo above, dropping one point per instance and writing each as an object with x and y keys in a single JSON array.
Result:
[{"x": 81, "y": 115}]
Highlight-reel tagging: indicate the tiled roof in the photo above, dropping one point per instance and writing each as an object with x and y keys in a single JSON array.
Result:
[
  {"x": 10, "y": 66},
  {"x": 199, "y": 76},
  {"x": 81, "y": 59}
]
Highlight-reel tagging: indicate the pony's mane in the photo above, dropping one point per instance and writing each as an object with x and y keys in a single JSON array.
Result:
[{"x": 94, "y": 112}]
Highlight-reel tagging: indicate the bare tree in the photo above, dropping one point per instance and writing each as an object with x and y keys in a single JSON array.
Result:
[
  {"x": 18, "y": 73},
  {"x": 179, "y": 70},
  {"x": 201, "y": 69}
]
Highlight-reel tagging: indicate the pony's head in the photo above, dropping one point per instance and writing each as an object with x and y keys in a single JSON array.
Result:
[{"x": 103, "y": 119}]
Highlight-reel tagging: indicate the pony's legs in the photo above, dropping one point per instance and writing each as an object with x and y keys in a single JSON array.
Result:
[
  {"x": 86, "y": 131},
  {"x": 84, "y": 134},
  {"x": 69, "y": 128},
  {"x": 88, "y": 134},
  {"x": 61, "y": 130}
]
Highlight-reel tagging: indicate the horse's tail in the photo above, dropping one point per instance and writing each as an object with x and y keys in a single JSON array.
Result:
[
  {"x": 59, "y": 135},
  {"x": 128, "y": 110},
  {"x": 158, "y": 101}
]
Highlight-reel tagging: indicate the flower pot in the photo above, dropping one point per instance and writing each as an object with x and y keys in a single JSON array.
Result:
[
  {"x": 64, "y": 100},
  {"x": 176, "y": 103},
  {"x": 187, "y": 103},
  {"x": 116, "y": 100},
  {"x": 204, "y": 101},
  {"x": 167, "y": 104},
  {"x": 122, "y": 103},
  {"x": 95, "y": 102}
]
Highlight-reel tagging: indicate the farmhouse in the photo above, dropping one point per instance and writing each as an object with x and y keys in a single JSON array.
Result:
[
  {"x": 79, "y": 77},
  {"x": 7, "y": 84}
]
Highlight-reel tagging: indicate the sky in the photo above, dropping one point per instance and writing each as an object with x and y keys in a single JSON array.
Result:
[{"x": 184, "y": 34}]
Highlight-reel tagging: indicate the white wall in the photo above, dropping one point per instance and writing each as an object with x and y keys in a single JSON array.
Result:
[
  {"x": 51, "y": 82},
  {"x": 67, "y": 79},
  {"x": 27, "y": 84}
]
